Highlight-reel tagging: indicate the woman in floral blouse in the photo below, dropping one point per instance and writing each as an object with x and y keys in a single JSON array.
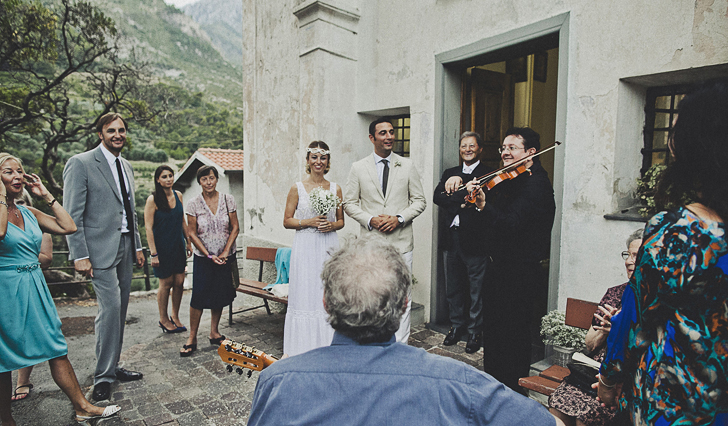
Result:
[
  {"x": 668, "y": 348},
  {"x": 213, "y": 227}
]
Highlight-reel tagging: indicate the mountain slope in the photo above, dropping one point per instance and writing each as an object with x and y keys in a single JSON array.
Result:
[
  {"x": 177, "y": 47},
  {"x": 222, "y": 20}
]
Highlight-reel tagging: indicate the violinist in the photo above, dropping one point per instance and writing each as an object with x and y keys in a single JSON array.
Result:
[
  {"x": 518, "y": 215},
  {"x": 461, "y": 238}
]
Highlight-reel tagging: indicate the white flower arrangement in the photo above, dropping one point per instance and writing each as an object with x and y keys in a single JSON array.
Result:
[
  {"x": 323, "y": 201},
  {"x": 555, "y": 332}
]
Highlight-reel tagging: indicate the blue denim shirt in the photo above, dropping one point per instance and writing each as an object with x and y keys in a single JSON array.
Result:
[{"x": 385, "y": 384}]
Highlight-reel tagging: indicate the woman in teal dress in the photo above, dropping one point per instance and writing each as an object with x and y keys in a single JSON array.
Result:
[
  {"x": 30, "y": 330},
  {"x": 167, "y": 237},
  {"x": 668, "y": 347}
]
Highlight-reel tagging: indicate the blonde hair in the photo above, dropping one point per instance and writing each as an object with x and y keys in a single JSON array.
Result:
[
  {"x": 4, "y": 156},
  {"x": 25, "y": 197}
]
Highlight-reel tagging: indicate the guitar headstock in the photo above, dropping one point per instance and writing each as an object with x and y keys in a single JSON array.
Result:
[{"x": 244, "y": 357}]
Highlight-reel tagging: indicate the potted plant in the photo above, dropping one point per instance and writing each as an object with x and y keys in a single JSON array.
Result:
[{"x": 565, "y": 339}]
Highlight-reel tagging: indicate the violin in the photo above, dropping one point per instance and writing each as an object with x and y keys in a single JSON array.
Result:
[
  {"x": 508, "y": 172},
  {"x": 500, "y": 177}
]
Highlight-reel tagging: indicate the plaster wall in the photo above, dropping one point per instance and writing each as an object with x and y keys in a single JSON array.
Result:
[{"x": 388, "y": 63}]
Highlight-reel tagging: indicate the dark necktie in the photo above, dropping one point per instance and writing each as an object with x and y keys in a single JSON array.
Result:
[
  {"x": 125, "y": 198},
  {"x": 385, "y": 177}
]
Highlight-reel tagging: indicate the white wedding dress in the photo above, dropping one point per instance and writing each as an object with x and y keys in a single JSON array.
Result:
[{"x": 306, "y": 326}]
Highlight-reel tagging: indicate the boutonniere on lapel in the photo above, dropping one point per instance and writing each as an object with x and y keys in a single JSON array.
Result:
[{"x": 397, "y": 164}]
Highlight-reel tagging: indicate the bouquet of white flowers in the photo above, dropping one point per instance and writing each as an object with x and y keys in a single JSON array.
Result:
[{"x": 323, "y": 201}]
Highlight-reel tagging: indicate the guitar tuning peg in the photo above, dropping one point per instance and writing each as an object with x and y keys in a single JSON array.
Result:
[{"x": 250, "y": 373}]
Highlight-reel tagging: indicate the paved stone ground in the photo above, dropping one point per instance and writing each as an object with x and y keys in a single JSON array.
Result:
[{"x": 196, "y": 390}]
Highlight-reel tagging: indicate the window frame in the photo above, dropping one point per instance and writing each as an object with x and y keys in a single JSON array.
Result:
[
  {"x": 651, "y": 111},
  {"x": 394, "y": 120}
]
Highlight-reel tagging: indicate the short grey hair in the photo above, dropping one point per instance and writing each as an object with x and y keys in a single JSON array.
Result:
[
  {"x": 636, "y": 235},
  {"x": 478, "y": 138},
  {"x": 365, "y": 289}
]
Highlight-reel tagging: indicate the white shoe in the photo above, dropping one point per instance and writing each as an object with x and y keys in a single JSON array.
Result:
[{"x": 109, "y": 411}]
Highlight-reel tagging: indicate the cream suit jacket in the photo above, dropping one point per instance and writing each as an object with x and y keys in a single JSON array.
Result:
[{"x": 363, "y": 197}]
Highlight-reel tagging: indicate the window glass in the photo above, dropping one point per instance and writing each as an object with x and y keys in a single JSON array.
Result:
[
  {"x": 401, "y": 126},
  {"x": 660, "y": 110}
]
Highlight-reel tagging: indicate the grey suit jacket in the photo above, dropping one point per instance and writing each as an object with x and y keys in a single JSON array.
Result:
[
  {"x": 363, "y": 197},
  {"x": 92, "y": 199}
]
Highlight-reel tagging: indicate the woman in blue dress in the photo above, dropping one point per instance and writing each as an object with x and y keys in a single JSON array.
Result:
[
  {"x": 167, "y": 237},
  {"x": 30, "y": 330},
  {"x": 668, "y": 347}
]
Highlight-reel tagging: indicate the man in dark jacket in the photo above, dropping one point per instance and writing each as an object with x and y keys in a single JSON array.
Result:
[
  {"x": 518, "y": 216},
  {"x": 461, "y": 237}
]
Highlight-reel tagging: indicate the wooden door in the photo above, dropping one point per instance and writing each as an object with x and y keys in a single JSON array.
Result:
[{"x": 487, "y": 108}]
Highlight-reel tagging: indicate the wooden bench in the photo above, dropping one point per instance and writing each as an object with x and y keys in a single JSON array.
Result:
[
  {"x": 255, "y": 288},
  {"x": 579, "y": 313}
]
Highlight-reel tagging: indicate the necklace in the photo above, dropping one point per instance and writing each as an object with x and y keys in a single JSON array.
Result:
[{"x": 15, "y": 210}]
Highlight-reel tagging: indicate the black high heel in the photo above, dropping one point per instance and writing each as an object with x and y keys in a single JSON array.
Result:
[
  {"x": 179, "y": 328},
  {"x": 216, "y": 342},
  {"x": 166, "y": 330}
]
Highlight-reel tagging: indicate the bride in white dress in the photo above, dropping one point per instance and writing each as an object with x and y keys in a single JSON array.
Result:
[{"x": 306, "y": 326}]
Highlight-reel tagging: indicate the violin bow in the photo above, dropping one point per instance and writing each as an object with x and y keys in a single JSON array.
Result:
[{"x": 485, "y": 178}]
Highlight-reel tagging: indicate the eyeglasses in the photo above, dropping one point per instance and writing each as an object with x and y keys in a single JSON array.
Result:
[
  {"x": 511, "y": 148},
  {"x": 627, "y": 255}
]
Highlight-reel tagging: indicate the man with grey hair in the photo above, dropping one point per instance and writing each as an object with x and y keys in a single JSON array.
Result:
[
  {"x": 365, "y": 377},
  {"x": 462, "y": 238}
]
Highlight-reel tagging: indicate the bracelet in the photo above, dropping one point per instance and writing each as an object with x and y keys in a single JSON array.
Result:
[
  {"x": 477, "y": 209},
  {"x": 604, "y": 384},
  {"x": 4, "y": 204},
  {"x": 299, "y": 224},
  {"x": 154, "y": 255},
  {"x": 209, "y": 256},
  {"x": 51, "y": 203}
]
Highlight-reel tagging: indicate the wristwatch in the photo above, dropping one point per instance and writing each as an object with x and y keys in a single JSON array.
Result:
[{"x": 400, "y": 219}]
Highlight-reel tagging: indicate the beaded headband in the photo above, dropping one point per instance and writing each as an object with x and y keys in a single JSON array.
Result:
[{"x": 318, "y": 151}]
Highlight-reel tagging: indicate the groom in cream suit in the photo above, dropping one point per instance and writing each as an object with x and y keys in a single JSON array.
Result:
[
  {"x": 98, "y": 192},
  {"x": 384, "y": 194}
]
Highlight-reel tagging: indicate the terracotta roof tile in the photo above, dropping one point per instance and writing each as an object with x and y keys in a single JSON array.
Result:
[{"x": 228, "y": 159}]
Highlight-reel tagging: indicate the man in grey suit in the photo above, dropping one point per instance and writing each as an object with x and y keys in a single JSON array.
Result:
[
  {"x": 384, "y": 193},
  {"x": 99, "y": 195}
]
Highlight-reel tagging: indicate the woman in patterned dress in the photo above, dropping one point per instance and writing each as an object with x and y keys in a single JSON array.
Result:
[
  {"x": 569, "y": 403},
  {"x": 212, "y": 225},
  {"x": 668, "y": 348},
  {"x": 306, "y": 324}
]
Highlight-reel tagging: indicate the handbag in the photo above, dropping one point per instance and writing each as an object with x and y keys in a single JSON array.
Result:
[
  {"x": 582, "y": 376},
  {"x": 234, "y": 271},
  {"x": 582, "y": 373}
]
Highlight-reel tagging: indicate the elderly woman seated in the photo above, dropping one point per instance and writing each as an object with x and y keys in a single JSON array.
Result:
[{"x": 569, "y": 403}]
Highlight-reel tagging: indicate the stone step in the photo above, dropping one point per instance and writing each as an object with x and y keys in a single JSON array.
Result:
[{"x": 417, "y": 315}]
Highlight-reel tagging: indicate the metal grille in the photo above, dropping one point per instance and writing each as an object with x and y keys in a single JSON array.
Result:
[{"x": 660, "y": 113}]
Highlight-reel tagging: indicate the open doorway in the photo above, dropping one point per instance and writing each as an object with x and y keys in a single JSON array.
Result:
[
  {"x": 517, "y": 91},
  {"x": 512, "y": 86}
]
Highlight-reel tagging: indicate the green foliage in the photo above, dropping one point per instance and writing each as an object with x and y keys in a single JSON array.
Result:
[
  {"x": 28, "y": 32},
  {"x": 71, "y": 68},
  {"x": 647, "y": 188},
  {"x": 556, "y": 332}
]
